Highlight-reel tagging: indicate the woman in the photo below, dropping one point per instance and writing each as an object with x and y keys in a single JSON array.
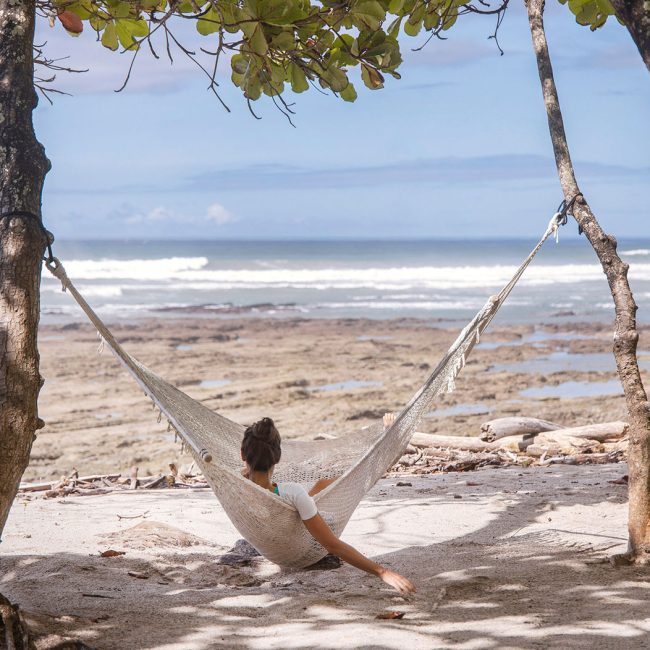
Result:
[{"x": 260, "y": 450}]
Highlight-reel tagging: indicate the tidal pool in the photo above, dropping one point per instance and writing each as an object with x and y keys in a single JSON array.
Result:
[
  {"x": 459, "y": 409},
  {"x": 347, "y": 385},
  {"x": 571, "y": 389}
]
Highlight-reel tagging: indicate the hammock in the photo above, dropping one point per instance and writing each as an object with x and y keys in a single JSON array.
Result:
[{"x": 270, "y": 524}]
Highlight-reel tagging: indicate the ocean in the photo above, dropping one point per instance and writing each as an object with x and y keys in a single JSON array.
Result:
[{"x": 431, "y": 279}]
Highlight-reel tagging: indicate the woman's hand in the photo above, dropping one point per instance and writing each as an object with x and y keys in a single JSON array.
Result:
[
  {"x": 396, "y": 581},
  {"x": 323, "y": 534},
  {"x": 389, "y": 420}
]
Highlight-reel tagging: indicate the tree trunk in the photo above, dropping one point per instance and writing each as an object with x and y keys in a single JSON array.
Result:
[
  {"x": 23, "y": 166},
  {"x": 635, "y": 15},
  {"x": 625, "y": 332}
]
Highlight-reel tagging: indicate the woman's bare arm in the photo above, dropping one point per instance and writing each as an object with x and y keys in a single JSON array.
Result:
[{"x": 323, "y": 534}]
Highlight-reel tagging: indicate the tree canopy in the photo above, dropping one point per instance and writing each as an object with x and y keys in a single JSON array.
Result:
[{"x": 276, "y": 44}]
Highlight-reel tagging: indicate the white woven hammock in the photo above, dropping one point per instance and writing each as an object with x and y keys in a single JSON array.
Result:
[{"x": 270, "y": 524}]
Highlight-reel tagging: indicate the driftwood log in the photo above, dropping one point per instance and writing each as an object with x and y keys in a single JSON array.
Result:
[
  {"x": 514, "y": 426},
  {"x": 600, "y": 432},
  {"x": 511, "y": 443},
  {"x": 40, "y": 487}
]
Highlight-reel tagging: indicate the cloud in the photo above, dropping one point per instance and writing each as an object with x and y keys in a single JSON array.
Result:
[
  {"x": 216, "y": 213},
  {"x": 492, "y": 169},
  {"x": 158, "y": 214},
  {"x": 613, "y": 57},
  {"x": 434, "y": 172},
  {"x": 162, "y": 215}
]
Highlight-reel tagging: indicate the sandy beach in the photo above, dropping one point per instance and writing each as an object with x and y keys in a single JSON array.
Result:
[
  {"x": 503, "y": 558},
  {"x": 312, "y": 376}
]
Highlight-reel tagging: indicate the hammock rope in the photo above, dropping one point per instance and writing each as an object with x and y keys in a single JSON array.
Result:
[{"x": 356, "y": 461}]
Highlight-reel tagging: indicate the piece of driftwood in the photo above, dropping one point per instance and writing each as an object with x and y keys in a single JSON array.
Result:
[
  {"x": 454, "y": 442},
  {"x": 133, "y": 483},
  {"x": 154, "y": 482},
  {"x": 600, "y": 432},
  {"x": 583, "y": 459},
  {"x": 513, "y": 443},
  {"x": 618, "y": 445},
  {"x": 40, "y": 487},
  {"x": 513, "y": 426},
  {"x": 564, "y": 441},
  {"x": 433, "y": 440}
]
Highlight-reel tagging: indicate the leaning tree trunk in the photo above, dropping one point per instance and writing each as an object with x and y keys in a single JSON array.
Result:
[
  {"x": 625, "y": 332},
  {"x": 635, "y": 15},
  {"x": 23, "y": 166}
]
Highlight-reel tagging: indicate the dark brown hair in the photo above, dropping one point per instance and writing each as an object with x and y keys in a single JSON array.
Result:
[{"x": 261, "y": 445}]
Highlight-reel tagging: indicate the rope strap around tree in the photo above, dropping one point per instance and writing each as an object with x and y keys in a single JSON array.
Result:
[{"x": 26, "y": 214}]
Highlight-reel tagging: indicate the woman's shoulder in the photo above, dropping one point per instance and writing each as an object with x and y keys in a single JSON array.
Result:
[{"x": 291, "y": 488}]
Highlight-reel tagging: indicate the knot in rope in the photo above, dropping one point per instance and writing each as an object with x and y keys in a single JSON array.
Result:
[
  {"x": 560, "y": 217},
  {"x": 55, "y": 267}
]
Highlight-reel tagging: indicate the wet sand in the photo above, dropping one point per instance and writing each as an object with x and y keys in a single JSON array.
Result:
[{"x": 311, "y": 376}]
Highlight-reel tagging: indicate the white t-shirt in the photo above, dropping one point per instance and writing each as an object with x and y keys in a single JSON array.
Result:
[{"x": 297, "y": 496}]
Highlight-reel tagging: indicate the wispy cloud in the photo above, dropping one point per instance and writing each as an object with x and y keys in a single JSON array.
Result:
[
  {"x": 216, "y": 213},
  {"x": 491, "y": 169},
  {"x": 432, "y": 172},
  {"x": 162, "y": 215}
]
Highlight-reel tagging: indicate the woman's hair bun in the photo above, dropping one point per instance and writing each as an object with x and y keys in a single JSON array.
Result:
[
  {"x": 261, "y": 445},
  {"x": 264, "y": 429}
]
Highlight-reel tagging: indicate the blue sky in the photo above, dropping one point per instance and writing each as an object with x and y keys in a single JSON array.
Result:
[{"x": 458, "y": 148}]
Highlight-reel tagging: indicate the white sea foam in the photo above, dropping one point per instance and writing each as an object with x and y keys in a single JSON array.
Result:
[
  {"x": 399, "y": 305},
  {"x": 190, "y": 273},
  {"x": 137, "y": 269},
  {"x": 637, "y": 251}
]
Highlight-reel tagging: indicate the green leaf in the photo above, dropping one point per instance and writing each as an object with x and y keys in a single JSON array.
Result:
[
  {"x": 298, "y": 79},
  {"x": 335, "y": 78},
  {"x": 128, "y": 30},
  {"x": 208, "y": 23},
  {"x": 109, "y": 37},
  {"x": 450, "y": 18},
  {"x": 412, "y": 29},
  {"x": 368, "y": 14},
  {"x": 121, "y": 10},
  {"x": 257, "y": 41},
  {"x": 372, "y": 78},
  {"x": 284, "y": 41},
  {"x": 240, "y": 63},
  {"x": 348, "y": 94},
  {"x": 253, "y": 88}
]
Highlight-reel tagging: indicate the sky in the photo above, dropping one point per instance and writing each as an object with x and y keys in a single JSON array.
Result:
[{"x": 458, "y": 148}]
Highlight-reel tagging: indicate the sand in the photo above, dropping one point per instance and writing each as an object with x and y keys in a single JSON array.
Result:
[{"x": 502, "y": 558}]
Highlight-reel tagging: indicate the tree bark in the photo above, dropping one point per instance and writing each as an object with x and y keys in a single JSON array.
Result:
[
  {"x": 23, "y": 166},
  {"x": 625, "y": 332},
  {"x": 635, "y": 15}
]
